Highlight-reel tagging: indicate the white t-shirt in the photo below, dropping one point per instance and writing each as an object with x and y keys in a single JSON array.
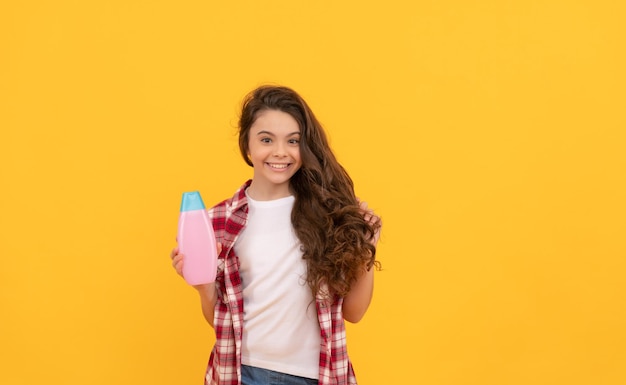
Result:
[{"x": 281, "y": 331}]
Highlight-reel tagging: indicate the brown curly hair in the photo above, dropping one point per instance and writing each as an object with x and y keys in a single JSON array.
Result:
[{"x": 326, "y": 217}]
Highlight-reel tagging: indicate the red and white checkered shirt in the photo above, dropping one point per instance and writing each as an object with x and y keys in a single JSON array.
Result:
[{"x": 229, "y": 218}]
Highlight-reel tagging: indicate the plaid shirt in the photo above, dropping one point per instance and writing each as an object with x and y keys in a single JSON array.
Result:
[{"x": 229, "y": 218}]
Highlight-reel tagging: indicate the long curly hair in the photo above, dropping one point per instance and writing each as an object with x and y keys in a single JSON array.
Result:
[{"x": 326, "y": 217}]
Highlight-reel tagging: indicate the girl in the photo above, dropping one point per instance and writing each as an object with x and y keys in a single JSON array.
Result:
[{"x": 296, "y": 254}]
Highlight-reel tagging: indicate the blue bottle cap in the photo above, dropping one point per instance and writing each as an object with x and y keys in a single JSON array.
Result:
[{"x": 191, "y": 201}]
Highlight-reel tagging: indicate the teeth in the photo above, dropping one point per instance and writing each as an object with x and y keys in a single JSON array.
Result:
[{"x": 278, "y": 165}]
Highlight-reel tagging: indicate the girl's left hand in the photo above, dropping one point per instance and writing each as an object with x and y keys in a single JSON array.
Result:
[{"x": 373, "y": 219}]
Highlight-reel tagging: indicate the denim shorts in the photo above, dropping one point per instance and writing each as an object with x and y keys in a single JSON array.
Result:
[{"x": 251, "y": 375}]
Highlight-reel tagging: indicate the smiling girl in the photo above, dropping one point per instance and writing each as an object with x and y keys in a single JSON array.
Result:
[{"x": 296, "y": 254}]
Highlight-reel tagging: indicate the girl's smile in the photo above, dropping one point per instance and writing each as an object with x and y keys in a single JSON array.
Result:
[{"x": 278, "y": 166}]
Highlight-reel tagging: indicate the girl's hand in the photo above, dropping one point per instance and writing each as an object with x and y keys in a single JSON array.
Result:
[
  {"x": 178, "y": 261},
  {"x": 373, "y": 220}
]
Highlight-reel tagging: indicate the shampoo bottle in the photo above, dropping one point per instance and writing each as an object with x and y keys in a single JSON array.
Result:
[{"x": 196, "y": 241}]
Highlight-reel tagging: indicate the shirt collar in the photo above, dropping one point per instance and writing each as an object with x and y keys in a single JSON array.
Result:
[{"x": 240, "y": 199}]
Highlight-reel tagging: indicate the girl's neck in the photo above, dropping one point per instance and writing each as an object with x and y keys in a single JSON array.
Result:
[{"x": 263, "y": 193}]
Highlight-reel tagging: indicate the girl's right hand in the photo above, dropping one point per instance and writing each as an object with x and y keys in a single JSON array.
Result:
[{"x": 178, "y": 260}]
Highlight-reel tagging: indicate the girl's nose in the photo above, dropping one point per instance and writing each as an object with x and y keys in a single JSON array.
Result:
[{"x": 279, "y": 150}]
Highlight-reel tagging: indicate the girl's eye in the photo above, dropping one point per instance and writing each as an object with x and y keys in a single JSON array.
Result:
[
  {"x": 266, "y": 140},
  {"x": 294, "y": 141}
]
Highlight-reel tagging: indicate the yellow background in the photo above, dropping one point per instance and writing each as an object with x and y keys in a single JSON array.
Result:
[{"x": 488, "y": 134}]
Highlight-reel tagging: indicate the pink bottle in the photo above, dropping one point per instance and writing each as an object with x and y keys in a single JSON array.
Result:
[{"x": 196, "y": 241}]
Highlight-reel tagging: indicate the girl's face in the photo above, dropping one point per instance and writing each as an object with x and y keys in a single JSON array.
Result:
[{"x": 274, "y": 149}]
